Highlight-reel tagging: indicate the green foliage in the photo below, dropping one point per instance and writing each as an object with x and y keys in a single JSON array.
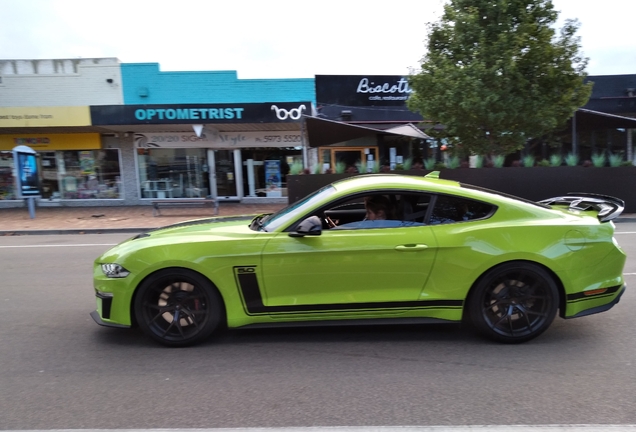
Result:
[
  {"x": 543, "y": 163},
  {"x": 296, "y": 168},
  {"x": 362, "y": 167},
  {"x": 616, "y": 160},
  {"x": 495, "y": 74},
  {"x": 627, "y": 163},
  {"x": 571, "y": 159},
  {"x": 452, "y": 162},
  {"x": 479, "y": 161},
  {"x": 429, "y": 164},
  {"x": 599, "y": 160},
  {"x": 376, "y": 167},
  {"x": 498, "y": 161},
  {"x": 439, "y": 166},
  {"x": 556, "y": 160},
  {"x": 341, "y": 167},
  {"x": 528, "y": 161},
  {"x": 318, "y": 169},
  {"x": 408, "y": 164}
]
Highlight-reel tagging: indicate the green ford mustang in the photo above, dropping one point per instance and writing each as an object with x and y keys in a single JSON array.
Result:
[{"x": 442, "y": 252}]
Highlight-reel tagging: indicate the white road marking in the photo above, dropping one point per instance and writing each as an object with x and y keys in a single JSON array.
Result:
[
  {"x": 480, "y": 428},
  {"x": 60, "y": 245},
  {"x": 624, "y": 232}
]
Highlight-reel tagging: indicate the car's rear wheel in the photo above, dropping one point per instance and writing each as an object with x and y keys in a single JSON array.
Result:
[
  {"x": 514, "y": 302},
  {"x": 178, "y": 307}
]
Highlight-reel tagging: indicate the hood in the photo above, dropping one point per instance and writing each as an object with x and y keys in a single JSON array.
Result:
[{"x": 196, "y": 226}]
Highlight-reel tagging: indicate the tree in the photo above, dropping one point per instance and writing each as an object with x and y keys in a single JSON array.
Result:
[{"x": 496, "y": 74}]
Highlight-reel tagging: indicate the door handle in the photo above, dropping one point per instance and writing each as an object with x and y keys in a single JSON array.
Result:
[{"x": 411, "y": 247}]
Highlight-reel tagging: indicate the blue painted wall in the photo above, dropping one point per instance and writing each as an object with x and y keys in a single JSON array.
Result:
[{"x": 141, "y": 79}]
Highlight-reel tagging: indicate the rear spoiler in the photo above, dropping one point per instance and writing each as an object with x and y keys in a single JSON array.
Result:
[{"x": 608, "y": 207}]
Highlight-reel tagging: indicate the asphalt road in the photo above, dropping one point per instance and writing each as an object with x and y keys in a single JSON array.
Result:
[{"x": 59, "y": 370}]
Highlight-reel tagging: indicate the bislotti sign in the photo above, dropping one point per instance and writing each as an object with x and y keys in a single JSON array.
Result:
[{"x": 362, "y": 90}]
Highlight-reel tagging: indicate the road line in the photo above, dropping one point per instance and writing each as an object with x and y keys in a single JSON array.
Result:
[
  {"x": 69, "y": 245},
  {"x": 480, "y": 428}
]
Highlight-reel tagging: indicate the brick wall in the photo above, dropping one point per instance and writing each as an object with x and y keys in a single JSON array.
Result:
[{"x": 65, "y": 82}]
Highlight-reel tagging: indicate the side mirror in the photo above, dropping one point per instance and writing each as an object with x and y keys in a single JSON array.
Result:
[{"x": 312, "y": 226}]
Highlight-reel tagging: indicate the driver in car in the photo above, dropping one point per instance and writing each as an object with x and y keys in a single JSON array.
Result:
[{"x": 378, "y": 207}]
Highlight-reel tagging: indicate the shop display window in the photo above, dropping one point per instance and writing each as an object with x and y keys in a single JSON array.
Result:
[
  {"x": 7, "y": 181},
  {"x": 173, "y": 173},
  {"x": 84, "y": 174},
  {"x": 269, "y": 167}
]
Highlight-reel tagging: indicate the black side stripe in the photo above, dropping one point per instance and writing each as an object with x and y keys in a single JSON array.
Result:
[
  {"x": 248, "y": 284},
  {"x": 581, "y": 295}
]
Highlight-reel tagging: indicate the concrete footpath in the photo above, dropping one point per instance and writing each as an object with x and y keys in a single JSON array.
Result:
[{"x": 95, "y": 220}]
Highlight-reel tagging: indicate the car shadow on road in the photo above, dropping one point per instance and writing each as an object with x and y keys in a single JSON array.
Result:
[{"x": 435, "y": 334}]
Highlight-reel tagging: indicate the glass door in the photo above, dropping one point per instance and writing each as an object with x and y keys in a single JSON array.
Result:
[{"x": 225, "y": 173}]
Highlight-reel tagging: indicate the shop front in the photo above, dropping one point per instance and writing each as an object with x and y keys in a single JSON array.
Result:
[
  {"x": 71, "y": 166},
  {"x": 225, "y": 165},
  {"x": 232, "y": 152},
  {"x": 375, "y": 102}
]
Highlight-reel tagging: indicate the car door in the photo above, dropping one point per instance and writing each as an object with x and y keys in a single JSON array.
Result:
[{"x": 376, "y": 268}]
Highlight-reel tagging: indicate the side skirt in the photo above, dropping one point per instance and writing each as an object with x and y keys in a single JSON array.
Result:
[{"x": 352, "y": 322}]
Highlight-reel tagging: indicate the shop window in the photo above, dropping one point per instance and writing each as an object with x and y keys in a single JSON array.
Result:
[
  {"x": 84, "y": 174},
  {"x": 269, "y": 169},
  {"x": 349, "y": 159},
  {"x": 7, "y": 181},
  {"x": 173, "y": 173}
]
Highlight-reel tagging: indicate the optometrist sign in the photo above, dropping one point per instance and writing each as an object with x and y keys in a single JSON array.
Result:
[
  {"x": 275, "y": 112},
  {"x": 27, "y": 175}
]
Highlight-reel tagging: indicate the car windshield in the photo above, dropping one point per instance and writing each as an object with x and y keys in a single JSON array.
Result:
[{"x": 271, "y": 222}]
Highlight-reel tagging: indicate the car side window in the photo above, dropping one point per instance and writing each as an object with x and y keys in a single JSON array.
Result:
[
  {"x": 384, "y": 211},
  {"x": 450, "y": 209}
]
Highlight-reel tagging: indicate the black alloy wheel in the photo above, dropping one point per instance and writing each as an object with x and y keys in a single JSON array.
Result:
[
  {"x": 514, "y": 302},
  {"x": 178, "y": 307}
]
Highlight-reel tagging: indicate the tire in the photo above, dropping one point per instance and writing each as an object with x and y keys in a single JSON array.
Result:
[
  {"x": 178, "y": 307},
  {"x": 514, "y": 302}
]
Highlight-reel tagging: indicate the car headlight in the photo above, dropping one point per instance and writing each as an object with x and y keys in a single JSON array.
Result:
[{"x": 114, "y": 271}]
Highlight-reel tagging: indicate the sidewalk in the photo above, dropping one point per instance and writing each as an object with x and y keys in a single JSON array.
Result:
[
  {"x": 91, "y": 220},
  {"x": 88, "y": 220}
]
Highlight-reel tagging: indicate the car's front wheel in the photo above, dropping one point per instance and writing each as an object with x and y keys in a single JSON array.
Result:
[
  {"x": 514, "y": 302},
  {"x": 178, "y": 307}
]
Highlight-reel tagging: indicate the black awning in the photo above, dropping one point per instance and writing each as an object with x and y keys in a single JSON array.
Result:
[
  {"x": 588, "y": 120},
  {"x": 323, "y": 132}
]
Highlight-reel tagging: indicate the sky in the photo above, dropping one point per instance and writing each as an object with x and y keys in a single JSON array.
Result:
[{"x": 275, "y": 38}]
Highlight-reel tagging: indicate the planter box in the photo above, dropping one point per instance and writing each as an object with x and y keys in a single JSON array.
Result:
[{"x": 531, "y": 183}]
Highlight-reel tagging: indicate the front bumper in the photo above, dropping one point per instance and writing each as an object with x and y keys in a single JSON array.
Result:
[
  {"x": 102, "y": 315},
  {"x": 98, "y": 320}
]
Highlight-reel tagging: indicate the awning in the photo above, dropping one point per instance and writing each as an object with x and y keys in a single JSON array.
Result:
[
  {"x": 323, "y": 132},
  {"x": 588, "y": 120}
]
